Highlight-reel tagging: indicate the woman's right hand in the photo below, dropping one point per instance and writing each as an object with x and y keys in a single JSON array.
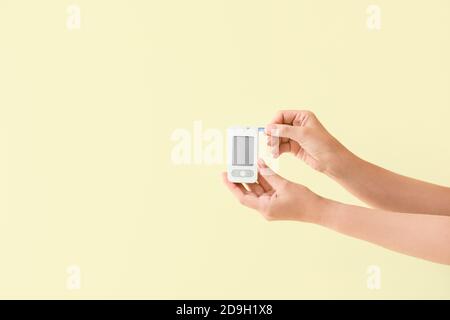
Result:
[{"x": 301, "y": 133}]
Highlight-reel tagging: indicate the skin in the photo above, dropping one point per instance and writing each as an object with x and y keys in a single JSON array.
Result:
[{"x": 406, "y": 215}]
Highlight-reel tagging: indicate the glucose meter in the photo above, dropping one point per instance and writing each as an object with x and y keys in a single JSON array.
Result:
[{"x": 242, "y": 154}]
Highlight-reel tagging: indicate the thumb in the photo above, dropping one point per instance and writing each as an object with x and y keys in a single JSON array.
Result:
[
  {"x": 285, "y": 131},
  {"x": 275, "y": 180}
]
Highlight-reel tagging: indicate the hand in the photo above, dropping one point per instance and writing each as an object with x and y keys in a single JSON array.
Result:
[
  {"x": 277, "y": 198},
  {"x": 301, "y": 133}
]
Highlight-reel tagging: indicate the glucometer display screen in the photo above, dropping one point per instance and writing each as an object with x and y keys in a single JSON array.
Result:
[{"x": 243, "y": 147}]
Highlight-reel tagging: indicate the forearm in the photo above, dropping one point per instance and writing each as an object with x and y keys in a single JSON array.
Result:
[
  {"x": 420, "y": 235},
  {"x": 383, "y": 189}
]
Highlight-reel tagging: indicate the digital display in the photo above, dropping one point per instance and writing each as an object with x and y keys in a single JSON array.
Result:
[{"x": 243, "y": 150}]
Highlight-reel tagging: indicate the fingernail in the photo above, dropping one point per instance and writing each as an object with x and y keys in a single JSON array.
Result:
[
  {"x": 275, "y": 150},
  {"x": 274, "y": 132},
  {"x": 268, "y": 129}
]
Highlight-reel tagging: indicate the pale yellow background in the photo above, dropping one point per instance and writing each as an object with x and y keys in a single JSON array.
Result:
[{"x": 86, "y": 118}]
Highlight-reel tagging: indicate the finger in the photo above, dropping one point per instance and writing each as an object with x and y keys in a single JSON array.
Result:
[
  {"x": 282, "y": 148},
  {"x": 272, "y": 140},
  {"x": 247, "y": 198},
  {"x": 285, "y": 131},
  {"x": 232, "y": 185},
  {"x": 273, "y": 136},
  {"x": 284, "y": 117},
  {"x": 256, "y": 188},
  {"x": 275, "y": 180},
  {"x": 263, "y": 183},
  {"x": 292, "y": 117}
]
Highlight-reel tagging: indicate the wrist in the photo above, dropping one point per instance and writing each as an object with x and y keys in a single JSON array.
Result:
[
  {"x": 327, "y": 213},
  {"x": 343, "y": 163},
  {"x": 320, "y": 210}
]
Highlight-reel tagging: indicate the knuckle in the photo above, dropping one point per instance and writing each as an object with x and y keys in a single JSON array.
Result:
[
  {"x": 308, "y": 113},
  {"x": 279, "y": 115},
  {"x": 280, "y": 112}
]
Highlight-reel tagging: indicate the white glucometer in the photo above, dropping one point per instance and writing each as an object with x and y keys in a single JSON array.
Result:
[{"x": 242, "y": 154}]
